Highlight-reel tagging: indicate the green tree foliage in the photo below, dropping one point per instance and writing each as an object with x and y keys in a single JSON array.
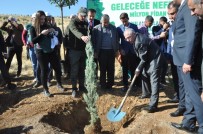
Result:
[
  {"x": 61, "y": 4},
  {"x": 91, "y": 84},
  {"x": 97, "y": 5}
]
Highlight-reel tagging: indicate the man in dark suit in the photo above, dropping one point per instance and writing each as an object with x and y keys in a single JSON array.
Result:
[
  {"x": 129, "y": 59},
  {"x": 156, "y": 31},
  {"x": 3, "y": 68},
  {"x": 151, "y": 59},
  {"x": 92, "y": 22},
  {"x": 196, "y": 9},
  {"x": 187, "y": 57},
  {"x": 172, "y": 10}
]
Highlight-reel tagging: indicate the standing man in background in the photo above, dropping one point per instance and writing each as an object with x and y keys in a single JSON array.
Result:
[
  {"x": 78, "y": 38},
  {"x": 92, "y": 22},
  {"x": 4, "y": 70},
  {"x": 14, "y": 42},
  {"x": 172, "y": 10},
  {"x": 187, "y": 56},
  {"x": 196, "y": 9},
  {"x": 105, "y": 43},
  {"x": 129, "y": 59}
]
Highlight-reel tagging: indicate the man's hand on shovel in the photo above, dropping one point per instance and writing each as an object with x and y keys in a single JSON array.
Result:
[{"x": 137, "y": 72}]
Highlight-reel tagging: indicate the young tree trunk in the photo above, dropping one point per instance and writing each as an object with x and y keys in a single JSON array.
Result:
[{"x": 61, "y": 7}]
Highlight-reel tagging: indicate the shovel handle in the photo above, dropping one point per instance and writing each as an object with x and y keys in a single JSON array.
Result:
[{"x": 128, "y": 91}]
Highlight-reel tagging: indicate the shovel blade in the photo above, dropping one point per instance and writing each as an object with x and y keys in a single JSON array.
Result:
[{"x": 114, "y": 115}]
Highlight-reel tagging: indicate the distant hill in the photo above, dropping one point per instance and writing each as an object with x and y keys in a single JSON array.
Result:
[{"x": 25, "y": 19}]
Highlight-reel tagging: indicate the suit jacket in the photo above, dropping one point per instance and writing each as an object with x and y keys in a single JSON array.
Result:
[
  {"x": 184, "y": 36},
  {"x": 124, "y": 45},
  {"x": 155, "y": 32},
  {"x": 95, "y": 22},
  {"x": 97, "y": 38},
  {"x": 148, "y": 51}
]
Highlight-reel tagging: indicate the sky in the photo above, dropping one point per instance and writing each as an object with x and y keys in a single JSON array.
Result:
[{"x": 28, "y": 7}]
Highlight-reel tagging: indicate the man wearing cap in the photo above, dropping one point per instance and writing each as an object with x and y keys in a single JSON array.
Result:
[
  {"x": 14, "y": 42},
  {"x": 77, "y": 32}
]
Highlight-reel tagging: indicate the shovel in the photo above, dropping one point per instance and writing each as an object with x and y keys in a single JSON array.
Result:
[{"x": 115, "y": 115}]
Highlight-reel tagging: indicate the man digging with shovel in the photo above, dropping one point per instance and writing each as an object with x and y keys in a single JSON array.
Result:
[{"x": 151, "y": 58}]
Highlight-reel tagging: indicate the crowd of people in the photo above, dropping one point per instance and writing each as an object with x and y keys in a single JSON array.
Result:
[{"x": 177, "y": 42}]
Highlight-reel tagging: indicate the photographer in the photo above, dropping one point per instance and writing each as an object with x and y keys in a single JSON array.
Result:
[
  {"x": 14, "y": 42},
  {"x": 4, "y": 70},
  {"x": 41, "y": 35}
]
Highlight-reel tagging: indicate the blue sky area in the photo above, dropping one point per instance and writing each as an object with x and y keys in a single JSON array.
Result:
[{"x": 27, "y": 7}]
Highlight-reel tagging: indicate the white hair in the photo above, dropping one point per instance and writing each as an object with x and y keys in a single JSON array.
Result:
[
  {"x": 105, "y": 17},
  {"x": 130, "y": 31}
]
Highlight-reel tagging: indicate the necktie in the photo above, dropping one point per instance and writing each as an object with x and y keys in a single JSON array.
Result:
[{"x": 90, "y": 24}]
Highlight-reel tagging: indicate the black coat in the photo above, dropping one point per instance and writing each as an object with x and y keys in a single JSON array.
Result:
[
  {"x": 96, "y": 22},
  {"x": 2, "y": 43}
]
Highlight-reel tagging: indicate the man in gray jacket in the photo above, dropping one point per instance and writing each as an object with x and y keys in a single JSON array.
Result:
[
  {"x": 105, "y": 42},
  {"x": 151, "y": 58}
]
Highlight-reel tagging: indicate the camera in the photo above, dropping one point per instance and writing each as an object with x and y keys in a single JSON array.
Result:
[{"x": 51, "y": 34}]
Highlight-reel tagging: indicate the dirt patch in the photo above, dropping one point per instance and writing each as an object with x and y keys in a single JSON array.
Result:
[{"x": 69, "y": 117}]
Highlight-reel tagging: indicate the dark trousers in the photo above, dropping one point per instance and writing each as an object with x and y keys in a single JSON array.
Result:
[
  {"x": 181, "y": 104},
  {"x": 44, "y": 59},
  {"x": 193, "y": 102},
  {"x": 77, "y": 63},
  {"x": 164, "y": 67},
  {"x": 106, "y": 60},
  {"x": 4, "y": 70},
  {"x": 130, "y": 62},
  {"x": 67, "y": 63},
  {"x": 175, "y": 78},
  {"x": 150, "y": 85},
  {"x": 11, "y": 52}
]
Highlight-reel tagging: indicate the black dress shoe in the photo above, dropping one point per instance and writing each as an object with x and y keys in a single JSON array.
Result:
[
  {"x": 150, "y": 109},
  {"x": 182, "y": 127},
  {"x": 144, "y": 96},
  {"x": 178, "y": 112}
]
